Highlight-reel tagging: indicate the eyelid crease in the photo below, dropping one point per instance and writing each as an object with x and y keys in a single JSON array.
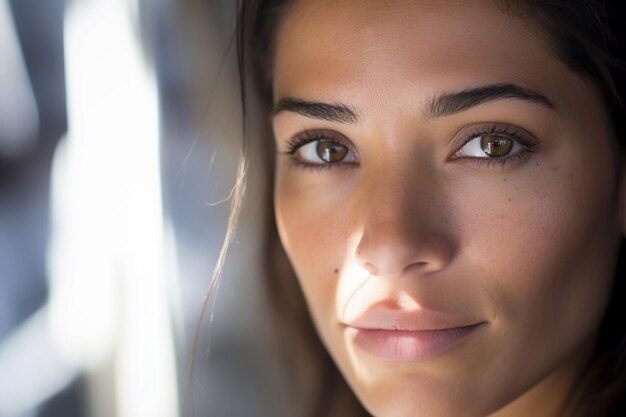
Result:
[{"x": 308, "y": 136}]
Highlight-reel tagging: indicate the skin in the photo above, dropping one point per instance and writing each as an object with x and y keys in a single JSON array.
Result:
[{"x": 527, "y": 247}]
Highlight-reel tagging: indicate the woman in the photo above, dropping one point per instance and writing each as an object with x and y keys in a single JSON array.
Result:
[{"x": 449, "y": 188}]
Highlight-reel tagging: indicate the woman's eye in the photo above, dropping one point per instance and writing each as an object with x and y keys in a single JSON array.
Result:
[
  {"x": 490, "y": 146},
  {"x": 323, "y": 151}
]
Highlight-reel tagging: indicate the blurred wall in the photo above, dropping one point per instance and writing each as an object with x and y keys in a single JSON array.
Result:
[{"x": 188, "y": 48}]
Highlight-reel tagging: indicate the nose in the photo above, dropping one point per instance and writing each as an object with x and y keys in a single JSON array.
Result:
[{"x": 405, "y": 230}]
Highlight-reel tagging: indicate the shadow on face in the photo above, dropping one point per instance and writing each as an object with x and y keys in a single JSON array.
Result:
[{"x": 445, "y": 193}]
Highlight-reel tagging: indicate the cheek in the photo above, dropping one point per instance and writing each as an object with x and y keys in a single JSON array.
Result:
[
  {"x": 542, "y": 250},
  {"x": 315, "y": 227},
  {"x": 535, "y": 253}
]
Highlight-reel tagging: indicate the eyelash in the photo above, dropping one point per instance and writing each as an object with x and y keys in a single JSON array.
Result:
[
  {"x": 307, "y": 137},
  {"x": 508, "y": 131},
  {"x": 512, "y": 132}
]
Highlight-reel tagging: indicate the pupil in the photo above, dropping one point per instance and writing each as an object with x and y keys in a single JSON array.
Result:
[{"x": 496, "y": 146}]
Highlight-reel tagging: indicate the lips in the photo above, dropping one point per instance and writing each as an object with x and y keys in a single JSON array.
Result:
[{"x": 395, "y": 335}]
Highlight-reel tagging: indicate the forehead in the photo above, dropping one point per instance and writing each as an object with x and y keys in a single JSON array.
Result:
[{"x": 331, "y": 47}]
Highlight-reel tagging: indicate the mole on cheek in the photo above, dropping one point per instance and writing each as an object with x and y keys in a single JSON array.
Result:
[{"x": 336, "y": 271}]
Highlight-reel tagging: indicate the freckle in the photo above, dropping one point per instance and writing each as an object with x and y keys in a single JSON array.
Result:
[
  {"x": 510, "y": 199},
  {"x": 336, "y": 271},
  {"x": 504, "y": 179},
  {"x": 537, "y": 164}
]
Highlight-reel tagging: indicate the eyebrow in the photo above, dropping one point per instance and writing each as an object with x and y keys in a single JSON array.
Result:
[
  {"x": 333, "y": 112},
  {"x": 443, "y": 105},
  {"x": 451, "y": 103}
]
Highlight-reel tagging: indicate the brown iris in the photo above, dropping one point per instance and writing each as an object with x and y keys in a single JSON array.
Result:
[
  {"x": 496, "y": 146},
  {"x": 331, "y": 151}
]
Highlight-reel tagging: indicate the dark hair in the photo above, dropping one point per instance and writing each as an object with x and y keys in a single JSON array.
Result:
[{"x": 587, "y": 35}]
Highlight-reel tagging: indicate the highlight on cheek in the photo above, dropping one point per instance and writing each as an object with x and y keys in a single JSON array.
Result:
[{"x": 351, "y": 280}]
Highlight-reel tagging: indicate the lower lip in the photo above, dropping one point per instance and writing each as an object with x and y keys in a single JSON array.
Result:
[{"x": 409, "y": 346}]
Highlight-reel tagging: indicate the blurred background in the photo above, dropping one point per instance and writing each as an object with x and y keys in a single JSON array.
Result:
[{"x": 120, "y": 129}]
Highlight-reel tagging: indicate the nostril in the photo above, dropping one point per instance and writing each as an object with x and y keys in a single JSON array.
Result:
[
  {"x": 371, "y": 268},
  {"x": 394, "y": 254}
]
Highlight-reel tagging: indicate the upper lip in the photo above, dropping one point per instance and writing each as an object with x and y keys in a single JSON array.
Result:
[{"x": 408, "y": 320}]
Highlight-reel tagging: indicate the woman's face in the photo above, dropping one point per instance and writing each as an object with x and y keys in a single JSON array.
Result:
[{"x": 446, "y": 192}]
